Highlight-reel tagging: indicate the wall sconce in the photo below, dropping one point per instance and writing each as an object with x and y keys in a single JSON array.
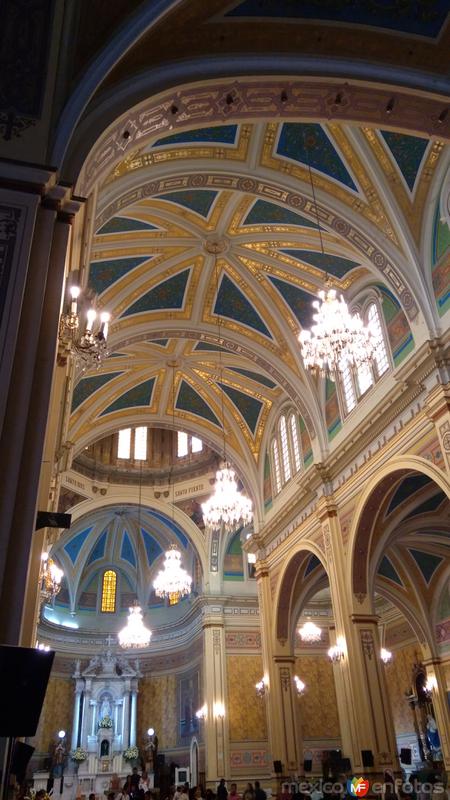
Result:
[
  {"x": 43, "y": 647},
  {"x": 337, "y": 652},
  {"x": 202, "y": 712},
  {"x": 260, "y": 688},
  {"x": 89, "y": 346},
  {"x": 219, "y": 710},
  {"x": 385, "y": 655},
  {"x": 299, "y": 685},
  {"x": 50, "y": 578},
  {"x": 431, "y": 684}
]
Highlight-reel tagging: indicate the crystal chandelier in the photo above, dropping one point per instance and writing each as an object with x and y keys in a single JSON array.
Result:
[
  {"x": 134, "y": 634},
  {"x": 310, "y": 632},
  {"x": 172, "y": 581},
  {"x": 385, "y": 655},
  {"x": 260, "y": 688},
  {"x": 339, "y": 339},
  {"x": 300, "y": 686},
  {"x": 89, "y": 347},
  {"x": 50, "y": 578},
  {"x": 227, "y": 509}
]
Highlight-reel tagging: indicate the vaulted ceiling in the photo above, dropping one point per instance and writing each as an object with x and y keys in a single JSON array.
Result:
[{"x": 209, "y": 247}]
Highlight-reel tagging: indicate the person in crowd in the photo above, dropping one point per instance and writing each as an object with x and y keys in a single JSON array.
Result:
[
  {"x": 144, "y": 783},
  {"x": 248, "y": 793},
  {"x": 114, "y": 784},
  {"x": 222, "y": 791},
  {"x": 184, "y": 792},
  {"x": 285, "y": 794},
  {"x": 259, "y": 793},
  {"x": 209, "y": 794},
  {"x": 92, "y": 796},
  {"x": 198, "y": 793},
  {"x": 233, "y": 795},
  {"x": 135, "y": 780}
]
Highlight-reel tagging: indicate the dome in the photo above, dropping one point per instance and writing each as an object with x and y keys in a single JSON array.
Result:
[{"x": 109, "y": 557}]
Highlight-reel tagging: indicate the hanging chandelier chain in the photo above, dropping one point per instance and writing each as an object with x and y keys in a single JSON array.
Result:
[{"x": 219, "y": 336}]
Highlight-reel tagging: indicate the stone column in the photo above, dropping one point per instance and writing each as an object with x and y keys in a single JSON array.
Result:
[
  {"x": 76, "y": 718},
  {"x": 126, "y": 719},
  {"x": 85, "y": 718},
  {"x": 283, "y": 716},
  {"x": 215, "y": 688},
  {"x": 436, "y": 675},
  {"x": 364, "y": 710},
  {"x": 133, "y": 717},
  {"x": 94, "y": 717}
]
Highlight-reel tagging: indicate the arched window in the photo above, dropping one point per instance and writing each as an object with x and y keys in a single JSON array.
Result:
[
  {"x": 355, "y": 383},
  {"x": 132, "y": 443},
  {"x": 381, "y": 356},
  {"x": 293, "y": 424},
  {"x": 285, "y": 449},
  {"x": 188, "y": 444},
  {"x": 276, "y": 466},
  {"x": 286, "y": 453},
  {"x": 109, "y": 586}
]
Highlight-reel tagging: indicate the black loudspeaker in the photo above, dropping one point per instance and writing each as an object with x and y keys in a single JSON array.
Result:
[
  {"x": 307, "y": 765},
  {"x": 25, "y": 673},
  {"x": 346, "y": 765},
  {"x": 277, "y": 767},
  {"x": 406, "y": 755},
  {"x": 160, "y": 760},
  {"x": 20, "y": 758},
  {"x": 367, "y": 758},
  {"x": 51, "y": 519}
]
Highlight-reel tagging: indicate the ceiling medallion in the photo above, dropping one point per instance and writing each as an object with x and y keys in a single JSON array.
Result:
[{"x": 216, "y": 245}]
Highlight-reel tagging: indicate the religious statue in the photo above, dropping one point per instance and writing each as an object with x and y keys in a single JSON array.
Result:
[
  {"x": 151, "y": 751},
  {"x": 105, "y": 708},
  {"x": 433, "y": 739},
  {"x": 59, "y": 757}
]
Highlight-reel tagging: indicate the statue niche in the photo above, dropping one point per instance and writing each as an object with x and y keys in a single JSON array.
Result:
[{"x": 104, "y": 748}]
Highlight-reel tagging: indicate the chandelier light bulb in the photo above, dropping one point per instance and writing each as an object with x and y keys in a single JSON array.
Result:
[
  {"x": 227, "y": 507},
  {"x": 300, "y": 686},
  {"x": 260, "y": 688},
  {"x": 309, "y": 632},
  {"x": 385, "y": 655},
  {"x": 172, "y": 581},
  {"x": 91, "y": 316},
  {"x": 134, "y": 634}
]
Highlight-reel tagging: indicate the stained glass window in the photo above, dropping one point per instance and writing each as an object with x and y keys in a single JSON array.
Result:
[{"x": 109, "y": 591}]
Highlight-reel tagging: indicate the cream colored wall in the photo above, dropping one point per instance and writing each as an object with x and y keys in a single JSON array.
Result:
[
  {"x": 399, "y": 681},
  {"x": 157, "y": 708},
  {"x": 318, "y": 705},
  {"x": 247, "y": 716},
  {"x": 56, "y": 713}
]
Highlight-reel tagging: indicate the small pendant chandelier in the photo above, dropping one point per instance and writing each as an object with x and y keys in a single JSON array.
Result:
[
  {"x": 172, "y": 581},
  {"x": 309, "y": 632},
  {"x": 227, "y": 509},
  {"x": 134, "y": 635},
  {"x": 338, "y": 340}
]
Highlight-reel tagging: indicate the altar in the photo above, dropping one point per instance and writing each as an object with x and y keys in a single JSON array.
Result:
[{"x": 104, "y": 726}]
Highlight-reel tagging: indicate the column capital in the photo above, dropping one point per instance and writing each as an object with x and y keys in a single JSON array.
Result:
[
  {"x": 326, "y": 509},
  {"x": 365, "y": 619}
]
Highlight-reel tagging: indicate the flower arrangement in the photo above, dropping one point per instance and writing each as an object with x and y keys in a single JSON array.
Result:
[
  {"x": 105, "y": 722},
  {"x": 79, "y": 754},
  {"x": 131, "y": 753}
]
